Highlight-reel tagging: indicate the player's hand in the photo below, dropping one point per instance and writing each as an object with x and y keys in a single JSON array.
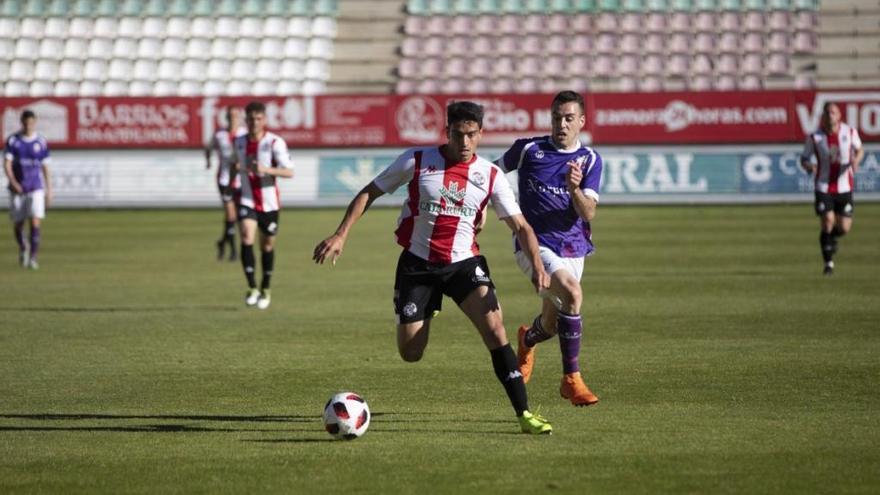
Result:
[
  {"x": 574, "y": 176},
  {"x": 330, "y": 247},
  {"x": 540, "y": 279},
  {"x": 48, "y": 198},
  {"x": 16, "y": 187}
]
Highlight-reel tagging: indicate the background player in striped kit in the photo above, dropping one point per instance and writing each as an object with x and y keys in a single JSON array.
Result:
[
  {"x": 261, "y": 157},
  {"x": 228, "y": 183},
  {"x": 558, "y": 192},
  {"x": 448, "y": 188},
  {"x": 837, "y": 151},
  {"x": 25, "y": 161}
]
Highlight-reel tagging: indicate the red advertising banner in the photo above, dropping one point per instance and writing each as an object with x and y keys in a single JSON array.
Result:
[
  {"x": 859, "y": 108},
  {"x": 332, "y": 121},
  {"x": 691, "y": 118}
]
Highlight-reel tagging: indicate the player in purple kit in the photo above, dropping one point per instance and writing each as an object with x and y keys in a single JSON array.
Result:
[
  {"x": 30, "y": 191},
  {"x": 558, "y": 192}
]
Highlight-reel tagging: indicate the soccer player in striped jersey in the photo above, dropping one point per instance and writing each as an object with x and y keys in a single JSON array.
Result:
[
  {"x": 448, "y": 188},
  {"x": 558, "y": 191},
  {"x": 261, "y": 158},
  {"x": 25, "y": 161},
  {"x": 832, "y": 155},
  {"x": 228, "y": 183}
]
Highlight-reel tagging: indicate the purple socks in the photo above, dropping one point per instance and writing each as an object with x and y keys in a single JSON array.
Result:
[{"x": 568, "y": 327}]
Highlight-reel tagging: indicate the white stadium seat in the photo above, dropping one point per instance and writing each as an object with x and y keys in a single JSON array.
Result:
[
  {"x": 15, "y": 88},
  {"x": 140, "y": 88},
  {"x": 100, "y": 48},
  {"x": 223, "y": 48},
  {"x": 324, "y": 26},
  {"x": 247, "y": 47},
  {"x": 80, "y": 27},
  {"x": 153, "y": 27},
  {"x": 8, "y": 27},
  {"x": 288, "y": 87},
  {"x": 477, "y": 86},
  {"x": 250, "y": 27},
  {"x": 114, "y": 87},
  {"x": 169, "y": 70},
  {"x": 90, "y": 88},
  {"x": 275, "y": 27},
  {"x": 26, "y": 48},
  {"x": 226, "y": 27},
  {"x": 71, "y": 70},
  {"x": 52, "y": 48},
  {"x": 32, "y": 27},
  {"x": 299, "y": 26},
  {"x": 21, "y": 69},
  {"x": 106, "y": 27},
  {"x": 202, "y": 27},
  {"x": 213, "y": 88},
  {"x": 313, "y": 87},
  {"x": 125, "y": 48},
  {"x": 174, "y": 48},
  {"x": 296, "y": 48},
  {"x": 237, "y": 88},
  {"x": 320, "y": 48},
  {"x": 164, "y": 88},
  {"x": 65, "y": 88},
  {"x": 267, "y": 68},
  {"x": 243, "y": 68},
  {"x": 144, "y": 70},
  {"x": 149, "y": 48},
  {"x": 500, "y": 86},
  {"x": 218, "y": 69},
  {"x": 95, "y": 69},
  {"x": 272, "y": 48},
  {"x": 120, "y": 68},
  {"x": 178, "y": 26},
  {"x": 189, "y": 88},
  {"x": 293, "y": 69},
  {"x": 198, "y": 48},
  {"x": 46, "y": 70},
  {"x": 264, "y": 87},
  {"x": 131, "y": 27},
  {"x": 194, "y": 70}
]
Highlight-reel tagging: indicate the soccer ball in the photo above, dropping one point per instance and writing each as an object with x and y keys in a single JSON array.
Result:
[{"x": 346, "y": 416}]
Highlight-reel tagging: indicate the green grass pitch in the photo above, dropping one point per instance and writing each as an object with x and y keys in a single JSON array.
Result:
[{"x": 725, "y": 362}]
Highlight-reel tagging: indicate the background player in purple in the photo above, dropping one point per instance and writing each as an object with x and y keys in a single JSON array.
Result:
[
  {"x": 558, "y": 193},
  {"x": 25, "y": 158},
  {"x": 228, "y": 183}
]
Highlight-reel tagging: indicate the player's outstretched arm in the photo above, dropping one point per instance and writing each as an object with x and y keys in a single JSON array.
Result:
[
  {"x": 47, "y": 180},
  {"x": 332, "y": 246},
  {"x": 529, "y": 243},
  {"x": 860, "y": 153}
]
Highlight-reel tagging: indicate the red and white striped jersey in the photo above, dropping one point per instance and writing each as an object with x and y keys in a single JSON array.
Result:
[
  {"x": 833, "y": 154},
  {"x": 260, "y": 192},
  {"x": 222, "y": 143},
  {"x": 445, "y": 202}
]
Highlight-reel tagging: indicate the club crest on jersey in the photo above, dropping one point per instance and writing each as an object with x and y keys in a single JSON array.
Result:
[
  {"x": 539, "y": 154},
  {"x": 37, "y": 147},
  {"x": 452, "y": 194},
  {"x": 478, "y": 178}
]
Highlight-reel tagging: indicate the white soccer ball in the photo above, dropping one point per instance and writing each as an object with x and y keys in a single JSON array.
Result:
[{"x": 346, "y": 416}]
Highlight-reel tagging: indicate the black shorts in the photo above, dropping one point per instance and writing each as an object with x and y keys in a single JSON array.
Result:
[
  {"x": 229, "y": 193},
  {"x": 266, "y": 220},
  {"x": 841, "y": 204},
  {"x": 419, "y": 286}
]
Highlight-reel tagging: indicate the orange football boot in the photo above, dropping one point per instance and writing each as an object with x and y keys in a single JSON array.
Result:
[
  {"x": 574, "y": 389},
  {"x": 525, "y": 355}
]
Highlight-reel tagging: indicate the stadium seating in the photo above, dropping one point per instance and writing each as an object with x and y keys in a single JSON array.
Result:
[
  {"x": 633, "y": 45},
  {"x": 165, "y": 47}
]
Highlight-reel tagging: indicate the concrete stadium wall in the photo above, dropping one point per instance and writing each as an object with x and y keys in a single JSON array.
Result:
[{"x": 705, "y": 174}]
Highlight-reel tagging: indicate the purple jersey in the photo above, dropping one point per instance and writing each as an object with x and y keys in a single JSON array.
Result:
[
  {"x": 28, "y": 156},
  {"x": 544, "y": 196}
]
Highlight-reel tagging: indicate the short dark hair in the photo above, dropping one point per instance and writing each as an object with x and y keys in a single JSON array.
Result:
[
  {"x": 464, "y": 111},
  {"x": 27, "y": 114},
  {"x": 564, "y": 97},
  {"x": 255, "y": 107}
]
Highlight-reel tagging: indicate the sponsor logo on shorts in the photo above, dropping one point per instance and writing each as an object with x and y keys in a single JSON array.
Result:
[
  {"x": 480, "y": 275},
  {"x": 410, "y": 309},
  {"x": 272, "y": 227}
]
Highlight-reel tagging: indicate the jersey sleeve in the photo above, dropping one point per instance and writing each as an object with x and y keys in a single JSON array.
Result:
[
  {"x": 397, "y": 174},
  {"x": 9, "y": 148},
  {"x": 856, "y": 139},
  {"x": 809, "y": 148},
  {"x": 512, "y": 158},
  {"x": 281, "y": 155},
  {"x": 503, "y": 199},
  {"x": 592, "y": 176}
]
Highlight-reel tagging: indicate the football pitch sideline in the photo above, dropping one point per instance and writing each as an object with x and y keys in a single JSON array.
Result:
[{"x": 725, "y": 362}]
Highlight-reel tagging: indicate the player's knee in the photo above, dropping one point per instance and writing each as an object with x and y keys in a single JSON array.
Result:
[{"x": 572, "y": 297}]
